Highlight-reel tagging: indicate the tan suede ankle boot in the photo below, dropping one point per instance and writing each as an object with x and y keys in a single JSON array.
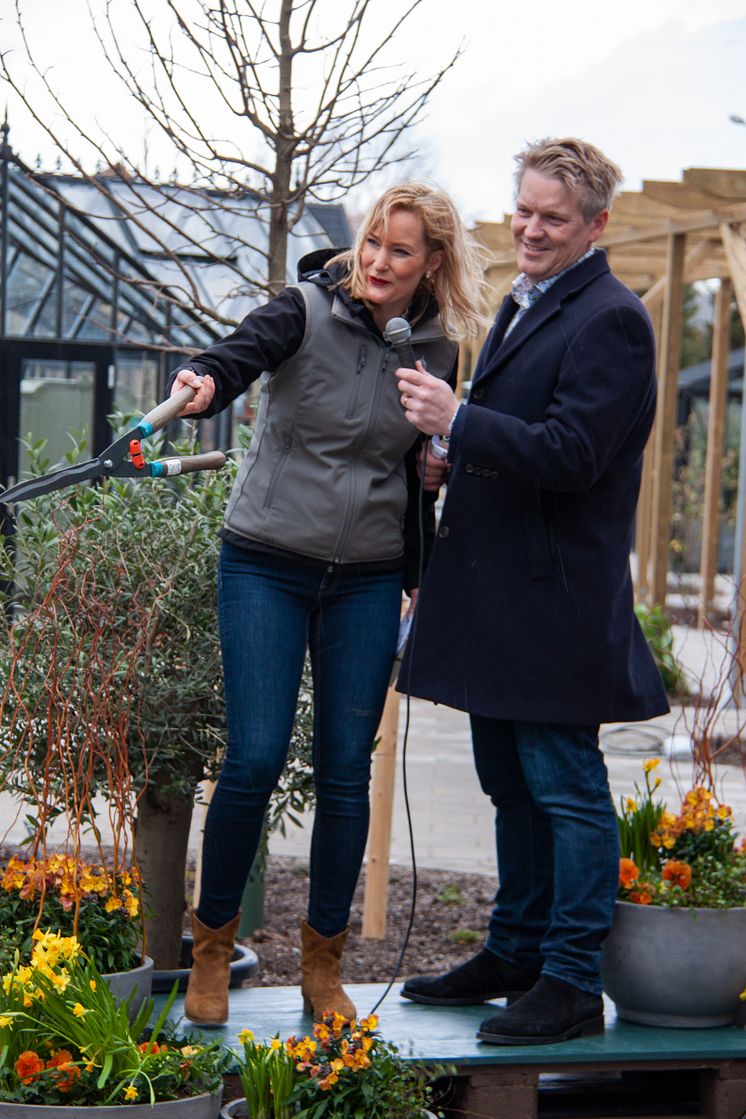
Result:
[
  {"x": 321, "y": 985},
  {"x": 206, "y": 1001}
]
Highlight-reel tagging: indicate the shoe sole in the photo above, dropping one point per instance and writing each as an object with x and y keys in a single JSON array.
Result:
[
  {"x": 589, "y": 1028},
  {"x": 431, "y": 1000}
]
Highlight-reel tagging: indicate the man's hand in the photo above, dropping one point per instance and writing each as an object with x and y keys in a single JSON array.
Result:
[
  {"x": 205, "y": 387},
  {"x": 429, "y": 403}
]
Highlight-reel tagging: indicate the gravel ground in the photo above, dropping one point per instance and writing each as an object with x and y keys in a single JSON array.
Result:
[{"x": 450, "y": 921}]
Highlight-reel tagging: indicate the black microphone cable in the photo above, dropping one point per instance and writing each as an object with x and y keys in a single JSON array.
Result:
[{"x": 405, "y": 738}]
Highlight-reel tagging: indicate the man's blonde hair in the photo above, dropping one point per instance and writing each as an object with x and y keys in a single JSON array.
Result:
[
  {"x": 579, "y": 165},
  {"x": 457, "y": 284}
]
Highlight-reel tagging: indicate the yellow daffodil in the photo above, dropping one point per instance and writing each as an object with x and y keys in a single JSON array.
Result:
[{"x": 79, "y": 1010}]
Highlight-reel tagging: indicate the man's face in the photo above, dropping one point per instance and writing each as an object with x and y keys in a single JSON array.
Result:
[{"x": 549, "y": 230}]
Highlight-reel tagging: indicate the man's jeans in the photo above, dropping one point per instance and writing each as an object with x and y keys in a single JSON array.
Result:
[
  {"x": 271, "y": 609},
  {"x": 557, "y": 846}
]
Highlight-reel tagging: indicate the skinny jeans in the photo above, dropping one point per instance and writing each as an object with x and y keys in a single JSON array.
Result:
[{"x": 271, "y": 610}]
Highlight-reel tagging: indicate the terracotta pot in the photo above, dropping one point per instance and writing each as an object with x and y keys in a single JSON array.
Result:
[
  {"x": 675, "y": 967},
  {"x": 244, "y": 963},
  {"x": 205, "y": 1106}
]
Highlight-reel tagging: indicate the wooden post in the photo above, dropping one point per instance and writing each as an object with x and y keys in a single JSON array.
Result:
[
  {"x": 714, "y": 459},
  {"x": 209, "y": 789},
  {"x": 668, "y": 370},
  {"x": 382, "y": 803},
  {"x": 644, "y": 516}
]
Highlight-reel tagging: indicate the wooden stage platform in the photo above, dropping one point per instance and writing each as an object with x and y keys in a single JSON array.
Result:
[{"x": 629, "y": 1071}]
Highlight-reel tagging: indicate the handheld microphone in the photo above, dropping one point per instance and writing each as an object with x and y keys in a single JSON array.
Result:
[{"x": 397, "y": 333}]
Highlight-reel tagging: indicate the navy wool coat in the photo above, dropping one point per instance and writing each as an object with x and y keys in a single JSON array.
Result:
[{"x": 526, "y": 608}]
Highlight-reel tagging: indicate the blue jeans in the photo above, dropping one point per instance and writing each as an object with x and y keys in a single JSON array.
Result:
[
  {"x": 557, "y": 846},
  {"x": 271, "y": 609}
]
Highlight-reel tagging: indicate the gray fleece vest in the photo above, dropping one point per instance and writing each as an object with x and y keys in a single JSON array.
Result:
[{"x": 324, "y": 475}]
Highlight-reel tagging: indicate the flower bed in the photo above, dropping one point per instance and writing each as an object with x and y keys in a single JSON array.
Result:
[{"x": 99, "y": 906}]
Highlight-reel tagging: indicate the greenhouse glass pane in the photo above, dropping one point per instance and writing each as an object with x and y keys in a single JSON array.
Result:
[
  {"x": 136, "y": 387},
  {"x": 96, "y": 322},
  {"x": 56, "y": 399},
  {"x": 26, "y": 286}
]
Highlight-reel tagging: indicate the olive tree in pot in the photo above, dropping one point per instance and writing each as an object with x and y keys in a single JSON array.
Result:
[{"x": 110, "y": 668}]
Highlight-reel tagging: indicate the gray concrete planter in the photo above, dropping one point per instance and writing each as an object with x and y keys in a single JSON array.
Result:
[
  {"x": 138, "y": 979},
  {"x": 205, "y": 1106},
  {"x": 676, "y": 967}
]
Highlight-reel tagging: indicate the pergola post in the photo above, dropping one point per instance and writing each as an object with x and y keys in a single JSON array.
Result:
[
  {"x": 714, "y": 459},
  {"x": 668, "y": 370}
]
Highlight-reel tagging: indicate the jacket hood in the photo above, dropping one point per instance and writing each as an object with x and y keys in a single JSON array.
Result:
[{"x": 312, "y": 267}]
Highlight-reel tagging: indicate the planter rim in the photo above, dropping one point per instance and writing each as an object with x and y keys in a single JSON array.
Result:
[
  {"x": 244, "y": 963},
  {"x": 681, "y": 908},
  {"x": 196, "y": 1104}
]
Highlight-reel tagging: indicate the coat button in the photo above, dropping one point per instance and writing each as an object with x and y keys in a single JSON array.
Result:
[
  {"x": 469, "y": 468},
  {"x": 477, "y": 394},
  {"x": 494, "y": 473},
  {"x": 444, "y": 532}
]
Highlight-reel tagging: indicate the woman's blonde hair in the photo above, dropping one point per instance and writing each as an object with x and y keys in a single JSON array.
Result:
[{"x": 457, "y": 284}]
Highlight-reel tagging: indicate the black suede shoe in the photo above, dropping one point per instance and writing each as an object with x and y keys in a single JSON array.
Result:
[
  {"x": 483, "y": 977},
  {"x": 551, "y": 1011}
]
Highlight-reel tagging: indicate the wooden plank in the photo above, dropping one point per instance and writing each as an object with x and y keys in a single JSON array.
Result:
[
  {"x": 720, "y": 181},
  {"x": 734, "y": 243},
  {"x": 714, "y": 459},
  {"x": 382, "y": 802},
  {"x": 677, "y": 194},
  {"x": 668, "y": 372},
  {"x": 691, "y": 223}
]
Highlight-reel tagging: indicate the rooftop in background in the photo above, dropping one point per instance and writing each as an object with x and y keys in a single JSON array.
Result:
[{"x": 139, "y": 262}]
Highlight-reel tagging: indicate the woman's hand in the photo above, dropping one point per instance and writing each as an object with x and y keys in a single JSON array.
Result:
[
  {"x": 205, "y": 387},
  {"x": 429, "y": 403},
  {"x": 412, "y": 601}
]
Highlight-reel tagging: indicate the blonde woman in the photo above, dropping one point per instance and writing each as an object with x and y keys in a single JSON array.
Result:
[{"x": 320, "y": 538}]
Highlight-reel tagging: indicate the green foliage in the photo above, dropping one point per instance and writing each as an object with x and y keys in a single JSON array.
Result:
[
  {"x": 65, "y": 1040},
  {"x": 464, "y": 936},
  {"x": 451, "y": 895},
  {"x": 267, "y": 1075},
  {"x": 657, "y": 630},
  {"x": 109, "y": 647},
  {"x": 637, "y": 818}
]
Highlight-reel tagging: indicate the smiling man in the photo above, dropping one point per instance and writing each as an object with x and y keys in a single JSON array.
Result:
[{"x": 525, "y": 617}]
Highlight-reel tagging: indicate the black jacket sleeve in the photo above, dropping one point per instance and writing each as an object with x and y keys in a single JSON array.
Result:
[{"x": 267, "y": 336}]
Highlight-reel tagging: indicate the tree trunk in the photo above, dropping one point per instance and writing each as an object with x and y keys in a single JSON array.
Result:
[
  {"x": 161, "y": 844},
  {"x": 284, "y": 144}
]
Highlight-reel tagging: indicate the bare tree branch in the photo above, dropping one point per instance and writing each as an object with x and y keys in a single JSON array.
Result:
[{"x": 264, "y": 109}]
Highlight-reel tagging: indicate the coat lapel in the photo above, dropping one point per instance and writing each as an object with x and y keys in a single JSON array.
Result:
[{"x": 498, "y": 349}]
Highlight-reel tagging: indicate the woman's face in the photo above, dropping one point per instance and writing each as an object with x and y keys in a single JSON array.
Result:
[{"x": 393, "y": 261}]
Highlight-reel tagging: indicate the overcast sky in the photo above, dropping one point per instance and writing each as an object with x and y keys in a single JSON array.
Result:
[{"x": 652, "y": 82}]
